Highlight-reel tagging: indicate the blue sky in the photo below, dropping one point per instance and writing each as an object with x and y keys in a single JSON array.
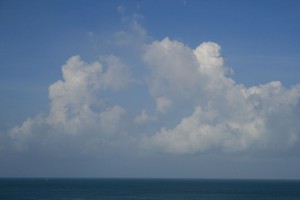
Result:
[{"x": 181, "y": 86}]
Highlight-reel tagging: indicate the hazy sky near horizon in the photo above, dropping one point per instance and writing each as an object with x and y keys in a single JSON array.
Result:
[{"x": 173, "y": 88}]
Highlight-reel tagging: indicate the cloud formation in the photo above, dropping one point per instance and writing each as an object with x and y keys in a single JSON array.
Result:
[
  {"x": 75, "y": 103},
  {"x": 196, "y": 106},
  {"x": 226, "y": 116}
]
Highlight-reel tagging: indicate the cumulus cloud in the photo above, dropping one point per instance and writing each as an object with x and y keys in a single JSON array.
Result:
[
  {"x": 172, "y": 66},
  {"x": 226, "y": 116},
  {"x": 74, "y": 98},
  {"x": 195, "y": 106},
  {"x": 75, "y": 105}
]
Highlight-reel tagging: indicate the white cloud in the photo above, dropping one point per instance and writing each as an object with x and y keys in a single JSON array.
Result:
[
  {"x": 199, "y": 107},
  {"x": 75, "y": 105},
  {"x": 24, "y": 135},
  {"x": 208, "y": 56},
  {"x": 227, "y": 117},
  {"x": 73, "y": 99},
  {"x": 173, "y": 68}
]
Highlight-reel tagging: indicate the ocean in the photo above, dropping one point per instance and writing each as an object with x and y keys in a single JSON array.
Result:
[{"x": 147, "y": 189}]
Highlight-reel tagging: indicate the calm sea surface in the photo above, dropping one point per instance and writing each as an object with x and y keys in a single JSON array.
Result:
[{"x": 148, "y": 189}]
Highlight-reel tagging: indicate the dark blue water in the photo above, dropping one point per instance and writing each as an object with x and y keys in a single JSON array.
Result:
[{"x": 148, "y": 189}]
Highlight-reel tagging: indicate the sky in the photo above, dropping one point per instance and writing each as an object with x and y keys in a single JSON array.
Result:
[{"x": 150, "y": 89}]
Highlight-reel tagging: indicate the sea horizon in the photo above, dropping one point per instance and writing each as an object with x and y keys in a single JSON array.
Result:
[
  {"x": 151, "y": 178},
  {"x": 113, "y": 188}
]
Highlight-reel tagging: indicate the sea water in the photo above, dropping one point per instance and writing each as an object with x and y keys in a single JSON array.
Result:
[{"x": 148, "y": 189}]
